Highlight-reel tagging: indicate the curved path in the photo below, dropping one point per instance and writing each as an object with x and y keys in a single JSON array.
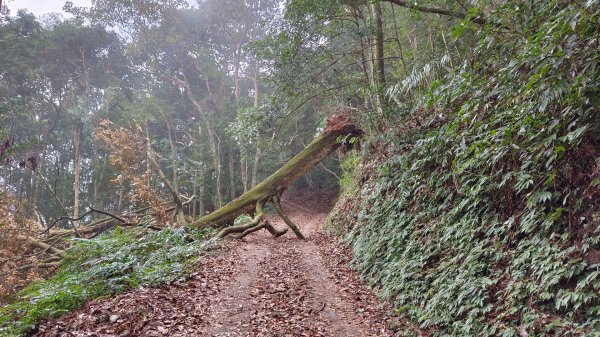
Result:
[{"x": 257, "y": 287}]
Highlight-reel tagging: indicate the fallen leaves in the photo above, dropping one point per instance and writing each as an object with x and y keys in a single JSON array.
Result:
[{"x": 261, "y": 287}]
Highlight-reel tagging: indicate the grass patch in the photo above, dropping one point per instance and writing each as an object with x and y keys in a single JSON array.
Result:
[{"x": 115, "y": 261}]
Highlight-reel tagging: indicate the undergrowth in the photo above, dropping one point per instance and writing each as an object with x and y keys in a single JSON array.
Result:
[
  {"x": 111, "y": 263},
  {"x": 485, "y": 220}
]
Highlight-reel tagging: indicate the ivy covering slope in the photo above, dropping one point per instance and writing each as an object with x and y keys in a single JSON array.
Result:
[{"x": 484, "y": 220}]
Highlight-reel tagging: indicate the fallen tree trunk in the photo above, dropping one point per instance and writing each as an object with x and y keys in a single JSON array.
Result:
[{"x": 339, "y": 129}]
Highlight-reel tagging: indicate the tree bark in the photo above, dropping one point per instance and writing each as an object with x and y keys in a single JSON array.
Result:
[
  {"x": 256, "y": 162},
  {"x": 434, "y": 10},
  {"x": 77, "y": 165},
  {"x": 284, "y": 217},
  {"x": 232, "y": 179},
  {"x": 172, "y": 140},
  {"x": 179, "y": 217},
  {"x": 338, "y": 126},
  {"x": 378, "y": 58},
  {"x": 258, "y": 152}
]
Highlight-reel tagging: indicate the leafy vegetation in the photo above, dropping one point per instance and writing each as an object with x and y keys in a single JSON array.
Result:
[
  {"x": 111, "y": 263},
  {"x": 484, "y": 219},
  {"x": 348, "y": 166}
]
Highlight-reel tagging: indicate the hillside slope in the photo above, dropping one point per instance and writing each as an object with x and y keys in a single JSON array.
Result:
[{"x": 481, "y": 218}]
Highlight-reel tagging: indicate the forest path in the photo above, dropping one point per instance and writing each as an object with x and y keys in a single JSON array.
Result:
[{"x": 257, "y": 287}]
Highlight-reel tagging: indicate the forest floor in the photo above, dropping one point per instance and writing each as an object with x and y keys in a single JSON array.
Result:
[{"x": 257, "y": 287}]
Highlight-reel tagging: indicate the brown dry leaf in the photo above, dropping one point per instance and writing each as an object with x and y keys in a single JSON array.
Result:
[{"x": 260, "y": 287}]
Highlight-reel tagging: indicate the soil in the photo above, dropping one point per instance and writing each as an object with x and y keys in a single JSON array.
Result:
[{"x": 257, "y": 287}]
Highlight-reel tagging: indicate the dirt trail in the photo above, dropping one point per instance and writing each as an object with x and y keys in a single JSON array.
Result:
[{"x": 259, "y": 287}]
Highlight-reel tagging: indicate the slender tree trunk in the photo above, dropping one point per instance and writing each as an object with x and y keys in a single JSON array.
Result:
[
  {"x": 364, "y": 60},
  {"x": 258, "y": 152},
  {"x": 378, "y": 57},
  {"x": 397, "y": 38},
  {"x": 243, "y": 158},
  {"x": 215, "y": 151},
  {"x": 179, "y": 217},
  {"x": 36, "y": 188},
  {"x": 95, "y": 177},
  {"x": 257, "y": 156},
  {"x": 77, "y": 165},
  {"x": 172, "y": 140},
  {"x": 148, "y": 168},
  {"x": 447, "y": 49},
  {"x": 213, "y": 138},
  {"x": 201, "y": 196},
  {"x": 236, "y": 76},
  {"x": 244, "y": 171},
  {"x": 121, "y": 197},
  {"x": 195, "y": 191},
  {"x": 232, "y": 180}
]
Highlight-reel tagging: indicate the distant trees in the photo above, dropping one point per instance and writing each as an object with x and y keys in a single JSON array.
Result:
[
  {"x": 190, "y": 78},
  {"x": 222, "y": 98},
  {"x": 352, "y": 53}
]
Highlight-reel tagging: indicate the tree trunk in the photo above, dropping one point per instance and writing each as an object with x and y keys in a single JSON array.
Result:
[
  {"x": 194, "y": 192},
  {"x": 256, "y": 163},
  {"x": 378, "y": 64},
  {"x": 258, "y": 153},
  {"x": 244, "y": 171},
  {"x": 232, "y": 180},
  {"x": 215, "y": 149},
  {"x": 77, "y": 165},
  {"x": 178, "y": 212},
  {"x": 378, "y": 58},
  {"x": 172, "y": 140},
  {"x": 338, "y": 126}
]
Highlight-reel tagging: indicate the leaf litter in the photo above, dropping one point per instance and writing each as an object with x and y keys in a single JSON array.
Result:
[{"x": 257, "y": 287}]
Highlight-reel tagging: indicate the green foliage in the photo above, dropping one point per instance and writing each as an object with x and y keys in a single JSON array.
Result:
[
  {"x": 109, "y": 264},
  {"x": 485, "y": 221},
  {"x": 348, "y": 181},
  {"x": 244, "y": 218}
]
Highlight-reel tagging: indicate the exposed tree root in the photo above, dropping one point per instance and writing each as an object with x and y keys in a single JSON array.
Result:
[
  {"x": 273, "y": 230},
  {"x": 266, "y": 225},
  {"x": 285, "y": 218},
  {"x": 255, "y": 222}
]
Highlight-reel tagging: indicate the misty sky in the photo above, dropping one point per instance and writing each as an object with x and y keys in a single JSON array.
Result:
[{"x": 39, "y": 7}]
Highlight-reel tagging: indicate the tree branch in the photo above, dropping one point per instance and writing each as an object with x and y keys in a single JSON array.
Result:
[
  {"x": 434, "y": 10},
  {"x": 284, "y": 217},
  {"x": 38, "y": 244}
]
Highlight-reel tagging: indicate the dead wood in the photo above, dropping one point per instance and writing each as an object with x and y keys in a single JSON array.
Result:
[
  {"x": 41, "y": 245},
  {"x": 285, "y": 218},
  {"x": 47, "y": 263},
  {"x": 273, "y": 230},
  {"x": 254, "y": 223},
  {"x": 339, "y": 127}
]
